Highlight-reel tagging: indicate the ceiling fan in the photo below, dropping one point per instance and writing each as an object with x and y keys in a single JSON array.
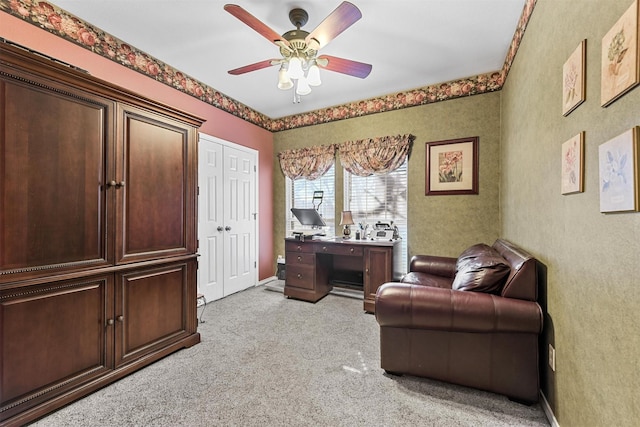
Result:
[{"x": 299, "y": 64}]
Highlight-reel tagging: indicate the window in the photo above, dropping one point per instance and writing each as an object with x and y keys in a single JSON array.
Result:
[
  {"x": 300, "y": 195},
  {"x": 379, "y": 198}
]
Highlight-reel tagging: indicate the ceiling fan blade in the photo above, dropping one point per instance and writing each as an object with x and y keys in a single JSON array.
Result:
[
  {"x": 339, "y": 20},
  {"x": 253, "y": 67},
  {"x": 344, "y": 66},
  {"x": 255, "y": 23}
]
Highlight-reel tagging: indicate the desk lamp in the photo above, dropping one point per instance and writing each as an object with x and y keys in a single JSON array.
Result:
[{"x": 346, "y": 220}]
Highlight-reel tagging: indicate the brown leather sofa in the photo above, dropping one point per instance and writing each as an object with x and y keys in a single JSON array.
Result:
[{"x": 471, "y": 320}]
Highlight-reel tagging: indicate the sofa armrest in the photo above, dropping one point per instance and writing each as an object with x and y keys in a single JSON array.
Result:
[
  {"x": 404, "y": 305},
  {"x": 435, "y": 265}
]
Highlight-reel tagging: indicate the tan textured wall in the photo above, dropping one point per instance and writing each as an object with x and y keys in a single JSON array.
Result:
[
  {"x": 592, "y": 260},
  {"x": 443, "y": 225}
]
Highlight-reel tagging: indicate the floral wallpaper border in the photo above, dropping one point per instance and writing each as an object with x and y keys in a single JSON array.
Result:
[{"x": 61, "y": 23}]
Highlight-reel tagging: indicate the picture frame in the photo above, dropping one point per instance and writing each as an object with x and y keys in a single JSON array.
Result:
[
  {"x": 574, "y": 79},
  {"x": 573, "y": 165},
  {"x": 452, "y": 167},
  {"x": 618, "y": 173},
  {"x": 620, "y": 66}
]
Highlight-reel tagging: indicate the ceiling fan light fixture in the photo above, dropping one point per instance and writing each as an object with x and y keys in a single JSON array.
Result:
[
  {"x": 303, "y": 87},
  {"x": 313, "y": 75},
  {"x": 284, "y": 81},
  {"x": 295, "y": 68}
]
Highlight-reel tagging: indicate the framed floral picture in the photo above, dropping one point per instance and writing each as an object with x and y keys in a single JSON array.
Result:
[
  {"x": 573, "y": 79},
  {"x": 573, "y": 165},
  {"x": 620, "y": 70},
  {"x": 452, "y": 167},
  {"x": 618, "y": 165}
]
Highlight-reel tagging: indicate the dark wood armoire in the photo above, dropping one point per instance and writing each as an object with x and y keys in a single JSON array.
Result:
[{"x": 98, "y": 193}]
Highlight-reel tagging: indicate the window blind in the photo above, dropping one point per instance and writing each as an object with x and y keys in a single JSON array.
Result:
[
  {"x": 379, "y": 198},
  {"x": 300, "y": 195}
]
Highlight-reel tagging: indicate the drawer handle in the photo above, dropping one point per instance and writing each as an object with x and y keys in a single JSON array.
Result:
[
  {"x": 351, "y": 250},
  {"x": 324, "y": 248},
  {"x": 299, "y": 258},
  {"x": 299, "y": 248},
  {"x": 299, "y": 276}
]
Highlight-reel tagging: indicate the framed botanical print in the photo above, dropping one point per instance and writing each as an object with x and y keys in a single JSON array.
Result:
[
  {"x": 573, "y": 165},
  {"x": 620, "y": 70},
  {"x": 573, "y": 79},
  {"x": 618, "y": 167},
  {"x": 452, "y": 167}
]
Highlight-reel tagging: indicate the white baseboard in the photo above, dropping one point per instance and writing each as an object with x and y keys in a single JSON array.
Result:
[{"x": 547, "y": 411}]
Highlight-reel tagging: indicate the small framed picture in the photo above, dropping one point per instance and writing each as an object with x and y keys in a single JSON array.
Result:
[
  {"x": 573, "y": 165},
  {"x": 618, "y": 165},
  {"x": 620, "y": 70},
  {"x": 452, "y": 167},
  {"x": 573, "y": 79}
]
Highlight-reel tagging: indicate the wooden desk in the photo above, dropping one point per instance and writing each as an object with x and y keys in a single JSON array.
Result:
[{"x": 312, "y": 266}]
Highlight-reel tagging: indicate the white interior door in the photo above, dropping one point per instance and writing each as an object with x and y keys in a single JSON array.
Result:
[
  {"x": 239, "y": 219},
  {"x": 227, "y": 223},
  {"x": 210, "y": 222}
]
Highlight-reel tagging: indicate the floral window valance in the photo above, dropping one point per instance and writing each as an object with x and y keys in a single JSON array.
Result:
[
  {"x": 308, "y": 163},
  {"x": 367, "y": 157}
]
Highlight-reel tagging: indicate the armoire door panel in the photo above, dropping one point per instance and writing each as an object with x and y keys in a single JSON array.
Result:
[
  {"x": 53, "y": 198},
  {"x": 154, "y": 179},
  {"x": 152, "y": 308},
  {"x": 55, "y": 336}
]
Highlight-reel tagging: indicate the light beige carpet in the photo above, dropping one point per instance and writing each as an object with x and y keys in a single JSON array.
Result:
[{"x": 266, "y": 360}]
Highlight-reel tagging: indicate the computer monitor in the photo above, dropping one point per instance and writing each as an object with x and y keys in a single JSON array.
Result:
[{"x": 308, "y": 217}]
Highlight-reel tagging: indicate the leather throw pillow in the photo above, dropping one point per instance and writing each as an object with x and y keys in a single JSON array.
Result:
[{"x": 480, "y": 268}]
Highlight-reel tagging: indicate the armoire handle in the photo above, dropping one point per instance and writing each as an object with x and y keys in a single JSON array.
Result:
[{"x": 115, "y": 184}]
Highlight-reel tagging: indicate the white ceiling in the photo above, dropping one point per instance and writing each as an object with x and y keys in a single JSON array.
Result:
[{"x": 410, "y": 43}]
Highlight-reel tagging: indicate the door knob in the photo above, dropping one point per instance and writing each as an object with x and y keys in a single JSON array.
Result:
[
  {"x": 227, "y": 228},
  {"x": 219, "y": 228}
]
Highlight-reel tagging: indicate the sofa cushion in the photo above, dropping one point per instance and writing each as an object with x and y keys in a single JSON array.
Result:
[{"x": 480, "y": 268}]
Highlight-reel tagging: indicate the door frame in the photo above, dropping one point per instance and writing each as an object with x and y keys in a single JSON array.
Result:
[{"x": 236, "y": 146}]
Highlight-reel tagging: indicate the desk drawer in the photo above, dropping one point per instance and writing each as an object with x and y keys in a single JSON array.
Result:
[
  {"x": 296, "y": 258},
  {"x": 339, "y": 249},
  {"x": 298, "y": 247},
  {"x": 300, "y": 276}
]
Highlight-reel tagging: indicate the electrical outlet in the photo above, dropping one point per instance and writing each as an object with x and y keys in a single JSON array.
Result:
[{"x": 552, "y": 358}]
